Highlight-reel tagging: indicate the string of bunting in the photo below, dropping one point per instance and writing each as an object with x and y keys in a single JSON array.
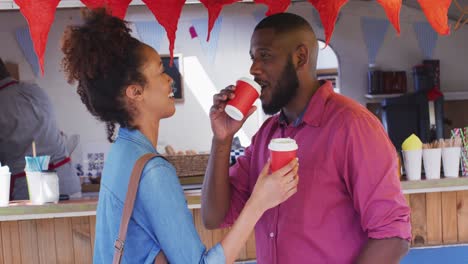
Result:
[
  {"x": 374, "y": 30},
  {"x": 40, "y": 15},
  {"x": 150, "y": 32},
  {"x": 209, "y": 47},
  {"x": 427, "y": 38},
  {"x": 24, "y": 40}
]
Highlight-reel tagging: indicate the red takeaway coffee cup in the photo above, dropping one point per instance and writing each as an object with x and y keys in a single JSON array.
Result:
[
  {"x": 247, "y": 91},
  {"x": 282, "y": 151}
]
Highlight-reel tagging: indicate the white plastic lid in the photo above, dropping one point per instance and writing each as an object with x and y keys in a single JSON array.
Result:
[
  {"x": 233, "y": 112},
  {"x": 282, "y": 144},
  {"x": 252, "y": 83}
]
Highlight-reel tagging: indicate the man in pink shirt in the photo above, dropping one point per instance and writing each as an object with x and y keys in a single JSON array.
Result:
[{"x": 349, "y": 207}]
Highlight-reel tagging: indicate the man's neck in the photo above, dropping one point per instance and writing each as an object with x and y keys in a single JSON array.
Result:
[{"x": 297, "y": 106}]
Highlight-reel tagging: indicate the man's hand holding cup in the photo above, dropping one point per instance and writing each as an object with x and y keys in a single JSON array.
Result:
[{"x": 232, "y": 106}]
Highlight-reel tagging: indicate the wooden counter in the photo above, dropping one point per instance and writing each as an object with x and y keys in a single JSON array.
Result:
[
  {"x": 438, "y": 185},
  {"x": 64, "y": 232},
  {"x": 23, "y": 210},
  {"x": 439, "y": 211}
]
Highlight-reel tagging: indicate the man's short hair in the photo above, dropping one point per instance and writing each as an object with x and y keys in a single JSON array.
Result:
[
  {"x": 3, "y": 70},
  {"x": 284, "y": 22}
]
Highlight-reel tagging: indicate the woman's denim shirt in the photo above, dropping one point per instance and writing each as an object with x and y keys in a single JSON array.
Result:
[{"x": 160, "y": 219}]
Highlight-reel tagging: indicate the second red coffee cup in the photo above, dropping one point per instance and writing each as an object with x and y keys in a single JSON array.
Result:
[
  {"x": 282, "y": 151},
  {"x": 247, "y": 91}
]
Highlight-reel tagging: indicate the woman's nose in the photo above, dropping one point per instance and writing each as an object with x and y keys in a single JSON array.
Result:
[{"x": 169, "y": 78}]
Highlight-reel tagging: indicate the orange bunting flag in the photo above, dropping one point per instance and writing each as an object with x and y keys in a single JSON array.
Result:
[
  {"x": 117, "y": 8},
  {"x": 40, "y": 15},
  {"x": 328, "y": 10},
  {"x": 436, "y": 12},
  {"x": 167, "y": 12},
  {"x": 392, "y": 9},
  {"x": 275, "y": 6},
  {"x": 214, "y": 8}
]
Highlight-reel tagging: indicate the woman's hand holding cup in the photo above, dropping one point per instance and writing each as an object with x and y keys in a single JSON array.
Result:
[{"x": 273, "y": 189}]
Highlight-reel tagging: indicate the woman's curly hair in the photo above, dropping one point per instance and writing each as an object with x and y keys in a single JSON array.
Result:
[{"x": 104, "y": 59}]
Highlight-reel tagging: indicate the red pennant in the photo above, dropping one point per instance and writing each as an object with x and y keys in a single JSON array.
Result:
[
  {"x": 117, "y": 8},
  {"x": 193, "y": 32},
  {"x": 40, "y": 15},
  {"x": 328, "y": 10},
  {"x": 275, "y": 6},
  {"x": 436, "y": 12},
  {"x": 392, "y": 9},
  {"x": 167, "y": 12},
  {"x": 214, "y": 8}
]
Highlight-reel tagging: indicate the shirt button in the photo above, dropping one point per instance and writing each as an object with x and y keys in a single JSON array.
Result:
[{"x": 272, "y": 235}]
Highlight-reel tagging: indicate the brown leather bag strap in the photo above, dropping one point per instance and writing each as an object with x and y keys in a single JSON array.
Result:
[{"x": 128, "y": 209}]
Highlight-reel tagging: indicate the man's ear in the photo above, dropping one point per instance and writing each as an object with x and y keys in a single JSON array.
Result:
[
  {"x": 134, "y": 92},
  {"x": 302, "y": 55}
]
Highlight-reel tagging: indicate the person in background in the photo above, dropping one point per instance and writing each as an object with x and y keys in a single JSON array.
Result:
[
  {"x": 27, "y": 116},
  {"x": 122, "y": 81},
  {"x": 349, "y": 207}
]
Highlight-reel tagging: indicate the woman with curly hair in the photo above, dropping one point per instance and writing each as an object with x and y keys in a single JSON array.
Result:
[{"x": 121, "y": 81}]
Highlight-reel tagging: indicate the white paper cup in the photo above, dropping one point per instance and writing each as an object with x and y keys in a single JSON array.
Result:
[
  {"x": 35, "y": 190},
  {"x": 34, "y": 180},
  {"x": 5, "y": 188},
  {"x": 413, "y": 161},
  {"x": 431, "y": 161},
  {"x": 451, "y": 161},
  {"x": 43, "y": 187}
]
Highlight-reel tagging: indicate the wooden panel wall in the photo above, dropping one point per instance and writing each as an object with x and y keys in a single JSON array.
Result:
[
  {"x": 212, "y": 237},
  {"x": 60, "y": 240},
  {"x": 437, "y": 218},
  {"x": 71, "y": 240}
]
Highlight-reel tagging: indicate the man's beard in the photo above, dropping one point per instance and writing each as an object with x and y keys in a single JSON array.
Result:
[{"x": 285, "y": 89}]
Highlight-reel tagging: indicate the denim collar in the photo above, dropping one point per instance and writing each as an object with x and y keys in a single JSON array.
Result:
[{"x": 136, "y": 136}]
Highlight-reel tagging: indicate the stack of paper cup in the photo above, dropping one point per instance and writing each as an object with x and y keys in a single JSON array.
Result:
[
  {"x": 431, "y": 161},
  {"x": 412, "y": 160},
  {"x": 5, "y": 176},
  {"x": 412, "y": 157},
  {"x": 34, "y": 179},
  {"x": 451, "y": 161}
]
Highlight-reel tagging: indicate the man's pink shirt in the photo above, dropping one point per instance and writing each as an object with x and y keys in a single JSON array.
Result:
[{"x": 348, "y": 190}]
